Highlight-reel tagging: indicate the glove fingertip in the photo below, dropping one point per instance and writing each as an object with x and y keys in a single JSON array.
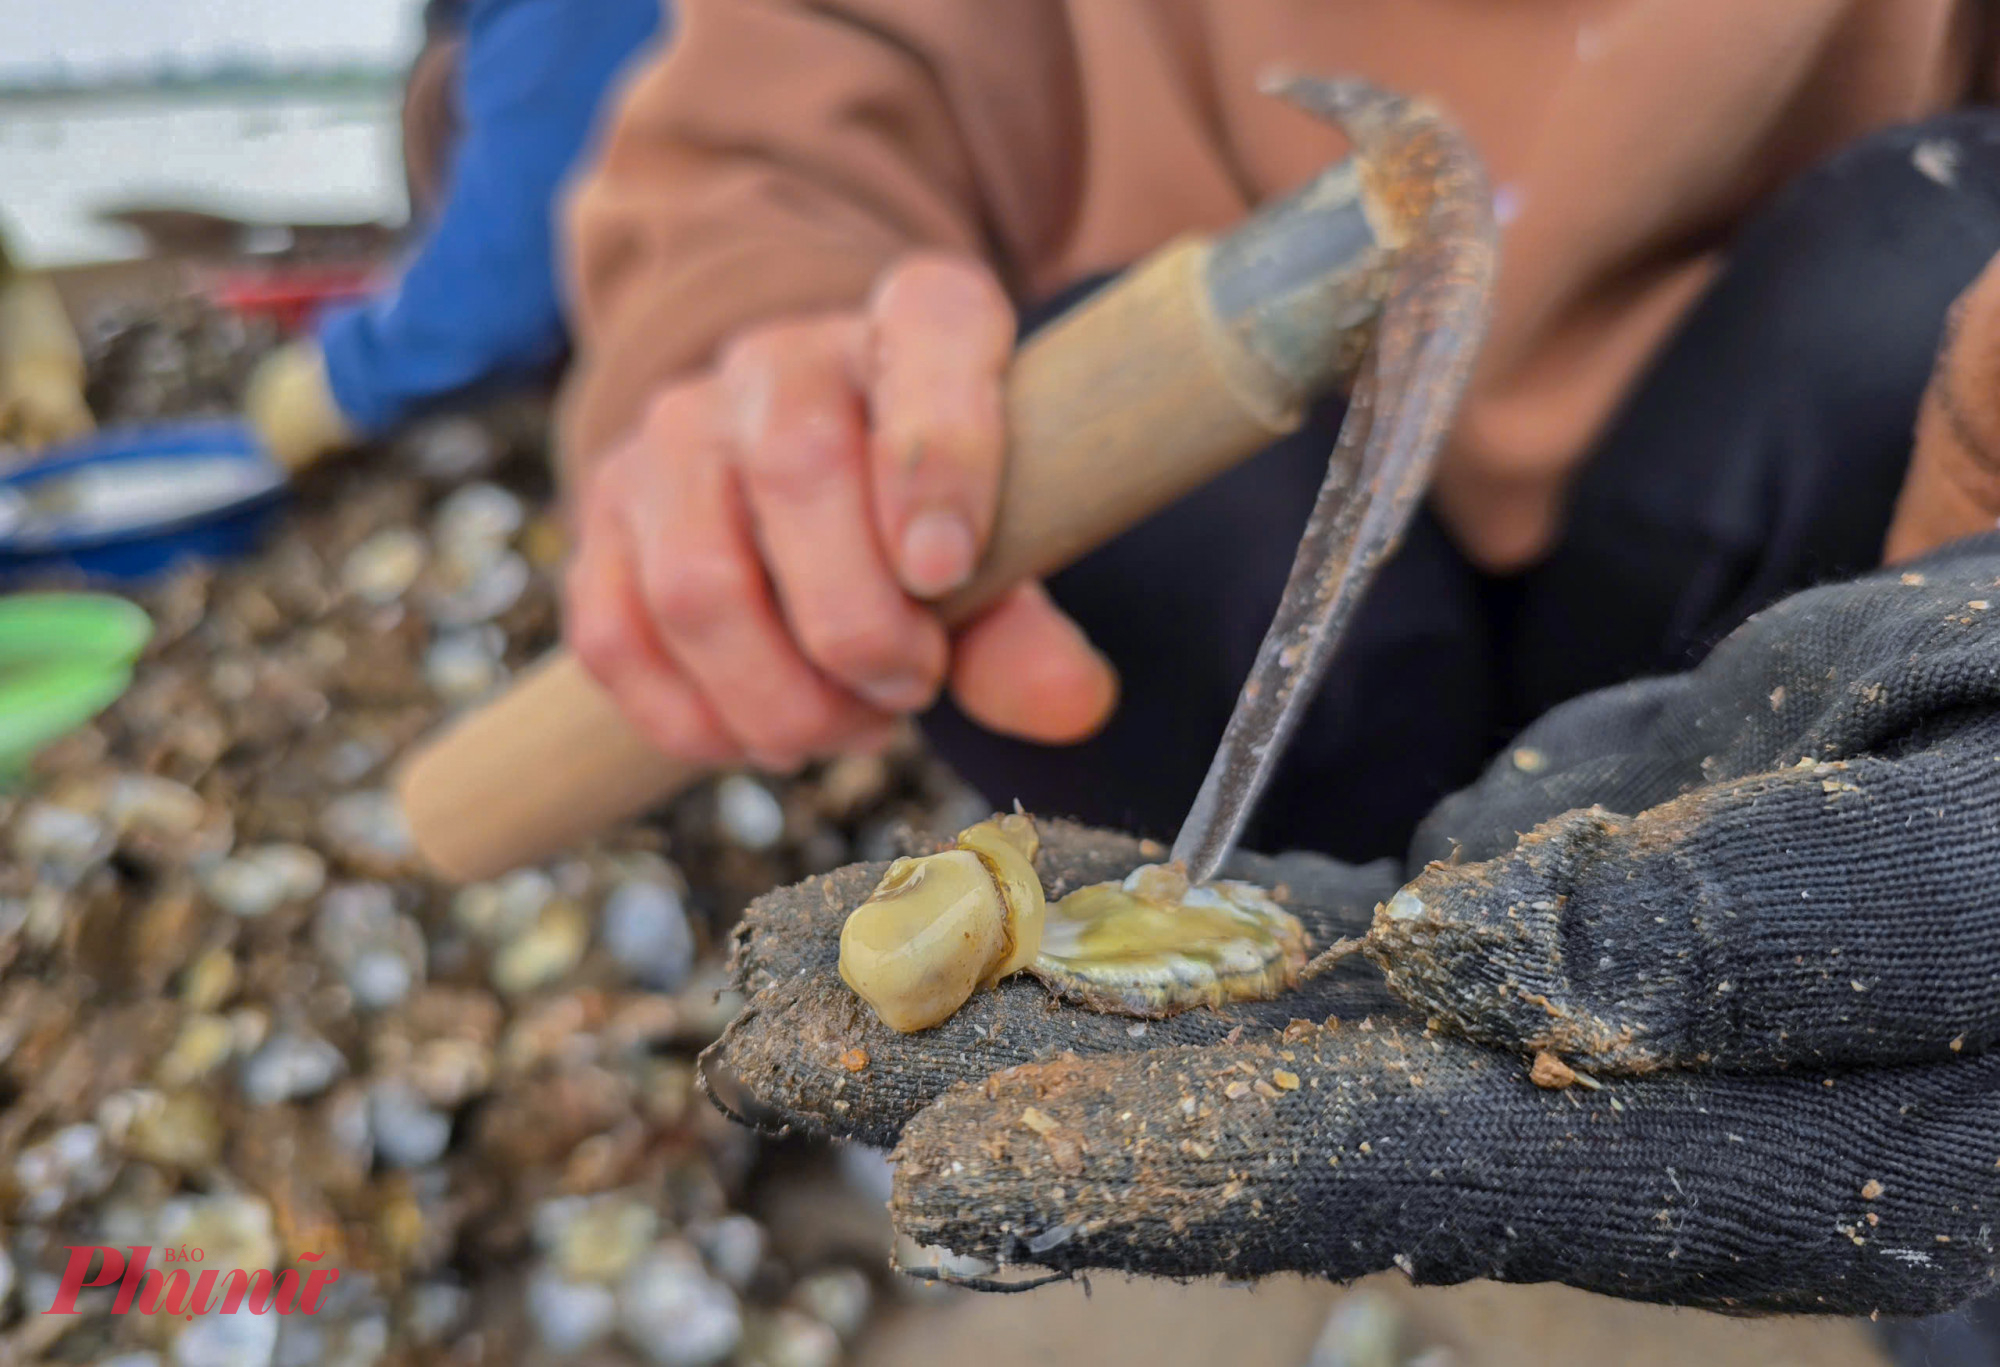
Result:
[{"x": 796, "y": 1057}]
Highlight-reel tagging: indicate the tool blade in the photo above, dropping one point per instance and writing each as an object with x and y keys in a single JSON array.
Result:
[{"x": 1397, "y": 419}]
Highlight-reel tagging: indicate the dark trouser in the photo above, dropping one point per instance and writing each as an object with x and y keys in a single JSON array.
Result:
[{"x": 1761, "y": 453}]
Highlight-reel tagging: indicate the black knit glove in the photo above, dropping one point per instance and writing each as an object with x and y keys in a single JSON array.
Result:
[
  {"x": 1756, "y": 911},
  {"x": 806, "y": 1053}
]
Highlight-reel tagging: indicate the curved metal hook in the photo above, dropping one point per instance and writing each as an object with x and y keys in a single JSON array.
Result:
[{"x": 1422, "y": 174}]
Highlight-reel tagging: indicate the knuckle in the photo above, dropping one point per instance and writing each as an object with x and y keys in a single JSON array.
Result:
[
  {"x": 674, "y": 413},
  {"x": 692, "y": 592},
  {"x": 800, "y": 457},
  {"x": 756, "y": 349},
  {"x": 768, "y": 347},
  {"x": 932, "y": 274},
  {"x": 853, "y": 644},
  {"x": 599, "y": 641},
  {"x": 947, "y": 442},
  {"x": 934, "y": 284}
]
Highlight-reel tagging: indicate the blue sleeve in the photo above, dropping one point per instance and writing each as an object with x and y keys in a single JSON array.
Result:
[{"x": 479, "y": 306}]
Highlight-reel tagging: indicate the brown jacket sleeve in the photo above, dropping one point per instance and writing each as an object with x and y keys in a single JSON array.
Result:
[
  {"x": 779, "y": 156},
  {"x": 1953, "y": 488}
]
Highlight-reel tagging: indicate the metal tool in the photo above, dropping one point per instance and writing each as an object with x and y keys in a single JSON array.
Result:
[
  {"x": 1190, "y": 363},
  {"x": 1397, "y": 418}
]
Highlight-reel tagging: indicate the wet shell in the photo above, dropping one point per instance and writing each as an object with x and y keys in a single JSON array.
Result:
[
  {"x": 941, "y": 927},
  {"x": 1153, "y": 945},
  {"x": 938, "y": 928}
]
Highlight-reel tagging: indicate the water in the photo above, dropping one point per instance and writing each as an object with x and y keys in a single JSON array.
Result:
[
  {"x": 332, "y": 157},
  {"x": 94, "y": 38}
]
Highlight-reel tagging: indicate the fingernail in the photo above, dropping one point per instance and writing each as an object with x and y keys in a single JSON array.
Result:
[
  {"x": 938, "y": 553},
  {"x": 898, "y": 692}
]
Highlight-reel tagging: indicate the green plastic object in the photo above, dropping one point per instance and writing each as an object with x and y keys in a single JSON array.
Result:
[{"x": 64, "y": 658}]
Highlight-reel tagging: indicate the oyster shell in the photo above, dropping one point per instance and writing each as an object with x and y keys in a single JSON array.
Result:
[
  {"x": 940, "y": 927},
  {"x": 1153, "y": 944}
]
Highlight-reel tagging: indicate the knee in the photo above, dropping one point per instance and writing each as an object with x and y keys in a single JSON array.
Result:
[
  {"x": 1918, "y": 184},
  {"x": 1854, "y": 263}
]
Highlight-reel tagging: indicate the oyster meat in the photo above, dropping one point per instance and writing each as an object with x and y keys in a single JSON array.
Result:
[
  {"x": 940, "y": 927},
  {"x": 1154, "y": 944}
]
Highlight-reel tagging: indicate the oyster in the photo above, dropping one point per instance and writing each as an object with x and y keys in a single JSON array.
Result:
[
  {"x": 940, "y": 927},
  {"x": 229, "y": 804},
  {"x": 1154, "y": 944}
]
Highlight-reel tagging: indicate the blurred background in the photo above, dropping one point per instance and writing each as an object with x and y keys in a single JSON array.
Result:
[{"x": 255, "y": 110}]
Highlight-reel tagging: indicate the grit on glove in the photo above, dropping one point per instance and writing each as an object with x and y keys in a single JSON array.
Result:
[{"x": 1689, "y": 999}]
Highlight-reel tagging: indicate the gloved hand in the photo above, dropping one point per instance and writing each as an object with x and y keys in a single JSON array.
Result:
[
  {"x": 1776, "y": 974},
  {"x": 41, "y": 365},
  {"x": 292, "y": 409}
]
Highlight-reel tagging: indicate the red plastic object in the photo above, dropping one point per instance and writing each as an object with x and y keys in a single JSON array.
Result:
[{"x": 290, "y": 296}]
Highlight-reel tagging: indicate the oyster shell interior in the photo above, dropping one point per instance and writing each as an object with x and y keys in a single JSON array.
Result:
[{"x": 1153, "y": 944}]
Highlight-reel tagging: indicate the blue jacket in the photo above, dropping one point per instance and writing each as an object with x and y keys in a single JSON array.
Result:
[{"x": 479, "y": 306}]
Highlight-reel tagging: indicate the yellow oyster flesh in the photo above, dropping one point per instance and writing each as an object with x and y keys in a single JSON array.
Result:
[
  {"x": 1009, "y": 844},
  {"x": 939, "y": 927},
  {"x": 1153, "y": 945}
]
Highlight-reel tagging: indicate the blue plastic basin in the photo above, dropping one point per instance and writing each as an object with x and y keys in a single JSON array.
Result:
[{"x": 233, "y": 524}]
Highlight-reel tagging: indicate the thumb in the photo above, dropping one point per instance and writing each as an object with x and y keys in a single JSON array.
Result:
[{"x": 1025, "y": 669}]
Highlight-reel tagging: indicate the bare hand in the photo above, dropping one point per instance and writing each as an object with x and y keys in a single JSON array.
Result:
[{"x": 756, "y": 565}]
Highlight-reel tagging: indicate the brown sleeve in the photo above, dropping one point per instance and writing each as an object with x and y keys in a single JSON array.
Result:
[
  {"x": 1953, "y": 488},
  {"x": 778, "y": 157}
]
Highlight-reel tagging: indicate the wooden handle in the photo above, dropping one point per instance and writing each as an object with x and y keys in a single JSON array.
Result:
[
  {"x": 1134, "y": 399},
  {"x": 546, "y": 765}
]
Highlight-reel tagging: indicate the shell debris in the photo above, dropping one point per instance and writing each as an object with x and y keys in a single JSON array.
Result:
[
  {"x": 238, "y": 1015},
  {"x": 1551, "y": 1073}
]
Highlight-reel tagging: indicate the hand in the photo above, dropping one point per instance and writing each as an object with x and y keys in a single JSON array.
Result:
[
  {"x": 756, "y": 567},
  {"x": 807, "y": 1053},
  {"x": 1772, "y": 984},
  {"x": 290, "y": 405}
]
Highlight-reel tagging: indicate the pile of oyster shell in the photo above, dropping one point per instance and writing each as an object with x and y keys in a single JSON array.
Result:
[{"x": 234, "y": 1016}]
